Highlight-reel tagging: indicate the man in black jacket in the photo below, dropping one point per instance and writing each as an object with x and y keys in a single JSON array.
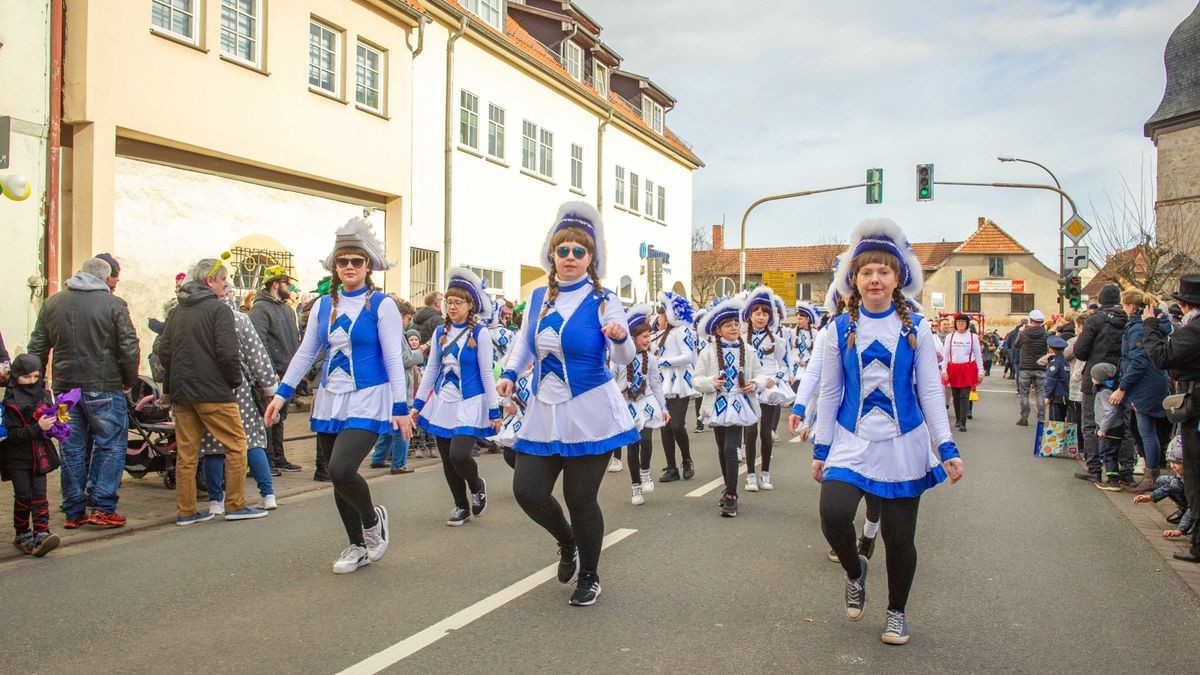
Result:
[
  {"x": 1100, "y": 342},
  {"x": 202, "y": 360},
  {"x": 95, "y": 349},
  {"x": 275, "y": 322},
  {"x": 429, "y": 318},
  {"x": 1181, "y": 356},
  {"x": 1031, "y": 345}
]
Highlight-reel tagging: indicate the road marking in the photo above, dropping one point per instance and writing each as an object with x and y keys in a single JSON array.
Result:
[
  {"x": 416, "y": 642},
  {"x": 711, "y": 485},
  {"x": 997, "y": 391}
]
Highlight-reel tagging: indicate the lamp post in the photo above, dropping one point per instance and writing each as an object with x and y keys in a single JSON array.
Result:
[{"x": 1061, "y": 271}]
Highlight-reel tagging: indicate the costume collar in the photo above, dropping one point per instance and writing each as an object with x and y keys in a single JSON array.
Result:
[
  {"x": 574, "y": 285},
  {"x": 352, "y": 294},
  {"x": 872, "y": 315}
]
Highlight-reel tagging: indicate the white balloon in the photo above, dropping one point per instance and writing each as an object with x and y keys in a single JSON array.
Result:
[{"x": 16, "y": 187}]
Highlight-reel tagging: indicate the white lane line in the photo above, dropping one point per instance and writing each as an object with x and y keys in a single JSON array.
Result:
[
  {"x": 997, "y": 391},
  {"x": 415, "y": 643},
  {"x": 711, "y": 485}
]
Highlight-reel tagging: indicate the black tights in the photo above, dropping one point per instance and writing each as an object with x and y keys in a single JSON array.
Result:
[
  {"x": 727, "y": 445},
  {"x": 31, "y": 510},
  {"x": 761, "y": 432},
  {"x": 533, "y": 483},
  {"x": 898, "y": 525},
  {"x": 639, "y": 456},
  {"x": 343, "y": 453},
  {"x": 962, "y": 403},
  {"x": 675, "y": 433},
  {"x": 462, "y": 473}
]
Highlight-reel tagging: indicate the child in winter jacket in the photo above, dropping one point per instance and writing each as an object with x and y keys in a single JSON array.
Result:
[
  {"x": 1171, "y": 486},
  {"x": 27, "y": 454},
  {"x": 1058, "y": 380},
  {"x": 1110, "y": 425}
]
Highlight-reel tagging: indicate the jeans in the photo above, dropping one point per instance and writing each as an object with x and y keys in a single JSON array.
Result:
[
  {"x": 1147, "y": 426},
  {"x": 1087, "y": 430},
  {"x": 393, "y": 445},
  {"x": 214, "y": 474},
  {"x": 103, "y": 415},
  {"x": 1031, "y": 381}
]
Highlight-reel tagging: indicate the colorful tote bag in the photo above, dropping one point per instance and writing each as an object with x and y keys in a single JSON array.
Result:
[{"x": 1056, "y": 439}]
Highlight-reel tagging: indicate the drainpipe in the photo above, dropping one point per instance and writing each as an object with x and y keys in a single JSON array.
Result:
[
  {"x": 600, "y": 161},
  {"x": 420, "y": 36},
  {"x": 54, "y": 145},
  {"x": 449, "y": 145}
]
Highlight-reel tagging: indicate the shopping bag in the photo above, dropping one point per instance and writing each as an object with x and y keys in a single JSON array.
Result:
[
  {"x": 974, "y": 395},
  {"x": 1056, "y": 439}
]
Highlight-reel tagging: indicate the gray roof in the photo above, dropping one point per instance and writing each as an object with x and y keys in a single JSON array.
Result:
[{"x": 1181, "y": 100}]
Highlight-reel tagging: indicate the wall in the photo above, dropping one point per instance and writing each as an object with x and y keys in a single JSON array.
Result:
[
  {"x": 1041, "y": 281},
  {"x": 1178, "y": 208}
]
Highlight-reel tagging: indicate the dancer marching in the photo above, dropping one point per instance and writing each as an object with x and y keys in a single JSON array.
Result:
[
  {"x": 879, "y": 406},
  {"x": 640, "y": 383},
  {"x": 675, "y": 347},
  {"x": 803, "y": 338},
  {"x": 729, "y": 376},
  {"x": 363, "y": 391},
  {"x": 456, "y": 402},
  {"x": 771, "y": 347},
  {"x": 577, "y": 415},
  {"x": 962, "y": 367}
]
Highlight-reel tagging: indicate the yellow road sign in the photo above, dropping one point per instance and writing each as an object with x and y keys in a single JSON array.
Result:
[
  {"x": 784, "y": 285},
  {"x": 1075, "y": 228}
]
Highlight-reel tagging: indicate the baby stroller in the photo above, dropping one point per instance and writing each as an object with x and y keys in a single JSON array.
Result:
[{"x": 151, "y": 434}]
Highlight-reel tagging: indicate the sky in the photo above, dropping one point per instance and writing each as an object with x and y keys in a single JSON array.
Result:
[{"x": 781, "y": 97}]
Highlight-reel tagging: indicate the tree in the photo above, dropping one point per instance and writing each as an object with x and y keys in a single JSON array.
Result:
[{"x": 708, "y": 267}]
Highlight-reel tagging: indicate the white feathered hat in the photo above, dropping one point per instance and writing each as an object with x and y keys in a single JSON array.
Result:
[
  {"x": 810, "y": 310},
  {"x": 881, "y": 234},
  {"x": 358, "y": 233},
  {"x": 678, "y": 310},
  {"x": 585, "y": 217},
  {"x": 465, "y": 279},
  {"x": 762, "y": 296},
  {"x": 637, "y": 315},
  {"x": 727, "y": 308}
]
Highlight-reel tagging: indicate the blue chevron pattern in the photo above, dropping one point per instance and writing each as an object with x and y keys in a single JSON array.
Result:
[
  {"x": 552, "y": 364},
  {"x": 876, "y": 352},
  {"x": 880, "y": 400},
  {"x": 552, "y": 321},
  {"x": 342, "y": 322},
  {"x": 339, "y": 360}
]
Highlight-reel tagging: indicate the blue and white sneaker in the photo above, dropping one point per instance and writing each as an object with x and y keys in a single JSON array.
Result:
[
  {"x": 246, "y": 513},
  {"x": 376, "y": 538},
  {"x": 197, "y": 517},
  {"x": 896, "y": 632},
  {"x": 856, "y": 592}
]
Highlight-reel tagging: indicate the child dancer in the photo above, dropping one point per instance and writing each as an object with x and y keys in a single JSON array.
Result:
[
  {"x": 640, "y": 383},
  {"x": 729, "y": 376},
  {"x": 880, "y": 408},
  {"x": 701, "y": 343},
  {"x": 27, "y": 454},
  {"x": 770, "y": 346},
  {"x": 675, "y": 347}
]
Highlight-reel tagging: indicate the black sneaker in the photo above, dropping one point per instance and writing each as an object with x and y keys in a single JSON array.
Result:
[
  {"x": 856, "y": 593},
  {"x": 458, "y": 517},
  {"x": 1022, "y": 423},
  {"x": 689, "y": 469},
  {"x": 321, "y": 477},
  {"x": 568, "y": 563},
  {"x": 729, "y": 508},
  {"x": 1088, "y": 476},
  {"x": 275, "y": 473},
  {"x": 479, "y": 499},
  {"x": 587, "y": 589},
  {"x": 866, "y": 547},
  {"x": 378, "y": 465},
  {"x": 288, "y": 466},
  {"x": 670, "y": 474}
]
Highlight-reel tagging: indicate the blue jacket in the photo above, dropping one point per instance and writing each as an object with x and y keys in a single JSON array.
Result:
[
  {"x": 1145, "y": 385},
  {"x": 1058, "y": 379}
]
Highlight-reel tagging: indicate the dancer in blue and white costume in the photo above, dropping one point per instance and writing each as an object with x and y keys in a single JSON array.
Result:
[
  {"x": 675, "y": 347},
  {"x": 363, "y": 392},
  {"x": 880, "y": 407},
  {"x": 701, "y": 343},
  {"x": 577, "y": 415},
  {"x": 804, "y": 337},
  {"x": 456, "y": 402},
  {"x": 502, "y": 337},
  {"x": 640, "y": 383},
  {"x": 761, "y": 319}
]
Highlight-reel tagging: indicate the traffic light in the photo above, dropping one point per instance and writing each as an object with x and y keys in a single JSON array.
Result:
[
  {"x": 1064, "y": 283},
  {"x": 924, "y": 182},
  {"x": 1075, "y": 292},
  {"x": 875, "y": 192}
]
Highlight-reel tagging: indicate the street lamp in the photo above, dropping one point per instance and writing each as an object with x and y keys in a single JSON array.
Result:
[{"x": 1061, "y": 272}]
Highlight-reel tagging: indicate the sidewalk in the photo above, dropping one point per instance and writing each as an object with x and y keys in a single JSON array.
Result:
[{"x": 147, "y": 503}]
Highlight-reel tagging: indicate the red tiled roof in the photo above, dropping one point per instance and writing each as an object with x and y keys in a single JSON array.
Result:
[
  {"x": 989, "y": 238},
  {"x": 817, "y": 258}
]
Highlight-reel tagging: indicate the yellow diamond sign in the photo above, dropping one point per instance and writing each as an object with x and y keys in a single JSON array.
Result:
[{"x": 1076, "y": 228}]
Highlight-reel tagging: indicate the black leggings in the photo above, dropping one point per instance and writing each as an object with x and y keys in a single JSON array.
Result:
[
  {"x": 30, "y": 506},
  {"x": 343, "y": 453},
  {"x": 675, "y": 433},
  {"x": 839, "y": 502},
  {"x": 728, "y": 439},
  {"x": 639, "y": 456},
  {"x": 533, "y": 483},
  {"x": 761, "y": 432},
  {"x": 462, "y": 473},
  {"x": 962, "y": 403}
]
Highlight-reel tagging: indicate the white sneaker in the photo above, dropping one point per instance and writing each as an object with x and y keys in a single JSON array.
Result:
[
  {"x": 1139, "y": 467},
  {"x": 741, "y": 454},
  {"x": 764, "y": 480},
  {"x": 267, "y": 503},
  {"x": 647, "y": 482},
  {"x": 774, "y": 435},
  {"x": 751, "y": 483},
  {"x": 615, "y": 465},
  {"x": 376, "y": 537},
  {"x": 216, "y": 508},
  {"x": 637, "y": 499},
  {"x": 352, "y": 558}
]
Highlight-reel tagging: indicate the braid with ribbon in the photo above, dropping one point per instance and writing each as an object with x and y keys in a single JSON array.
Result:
[
  {"x": 901, "y": 304},
  {"x": 852, "y": 308}
]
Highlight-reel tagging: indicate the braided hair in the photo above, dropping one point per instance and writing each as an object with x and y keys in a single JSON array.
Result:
[
  {"x": 460, "y": 294},
  {"x": 875, "y": 257},
  {"x": 631, "y": 393},
  {"x": 901, "y": 305},
  {"x": 852, "y": 308},
  {"x": 767, "y": 329},
  {"x": 741, "y": 351}
]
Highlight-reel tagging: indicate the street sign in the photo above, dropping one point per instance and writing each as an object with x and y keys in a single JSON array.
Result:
[
  {"x": 1076, "y": 228},
  {"x": 784, "y": 285},
  {"x": 1074, "y": 258}
]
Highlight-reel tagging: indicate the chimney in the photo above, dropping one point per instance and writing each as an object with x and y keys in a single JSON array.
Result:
[
  {"x": 718, "y": 237},
  {"x": 982, "y": 220}
]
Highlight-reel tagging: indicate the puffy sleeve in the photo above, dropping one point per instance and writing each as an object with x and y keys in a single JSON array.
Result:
[
  {"x": 680, "y": 348},
  {"x": 706, "y": 370},
  {"x": 928, "y": 380},
  {"x": 391, "y": 340},
  {"x": 832, "y": 382},
  {"x": 305, "y": 355},
  {"x": 812, "y": 375}
]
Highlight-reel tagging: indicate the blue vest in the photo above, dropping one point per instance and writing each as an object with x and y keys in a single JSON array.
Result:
[
  {"x": 585, "y": 350},
  {"x": 906, "y": 408},
  {"x": 366, "y": 358},
  {"x": 469, "y": 382}
]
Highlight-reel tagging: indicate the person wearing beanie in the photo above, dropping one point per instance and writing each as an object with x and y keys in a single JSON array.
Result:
[
  {"x": 1170, "y": 486},
  {"x": 1100, "y": 342},
  {"x": 1110, "y": 424},
  {"x": 114, "y": 276},
  {"x": 27, "y": 454}
]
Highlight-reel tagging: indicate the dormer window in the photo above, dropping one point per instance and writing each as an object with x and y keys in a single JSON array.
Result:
[
  {"x": 573, "y": 59},
  {"x": 491, "y": 11},
  {"x": 652, "y": 114},
  {"x": 600, "y": 75}
]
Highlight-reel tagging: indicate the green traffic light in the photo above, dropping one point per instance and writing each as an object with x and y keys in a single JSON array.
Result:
[
  {"x": 1076, "y": 303},
  {"x": 924, "y": 192}
]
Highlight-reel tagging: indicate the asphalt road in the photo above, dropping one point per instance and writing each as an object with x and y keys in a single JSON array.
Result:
[{"x": 1021, "y": 569}]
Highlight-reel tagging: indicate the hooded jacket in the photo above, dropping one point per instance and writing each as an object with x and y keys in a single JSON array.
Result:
[
  {"x": 1031, "y": 343},
  {"x": 1145, "y": 384},
  {"x": 1100, "y": 341},
  {"x": 275, "y": 322},
  {"x": 88, "y": 329},
  {"x": 200, "y": 352}
]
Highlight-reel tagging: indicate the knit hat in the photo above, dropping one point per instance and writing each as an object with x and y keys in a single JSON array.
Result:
[
  {"x": 112, "y": 262},
  {"x": 1103, "y": 371},
  {"x": 1110, "y": 295},
  {"x": 412, "y": 333},
  {"x": 1175, "y": 450}
]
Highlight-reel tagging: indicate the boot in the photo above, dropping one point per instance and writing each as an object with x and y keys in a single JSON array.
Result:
[{"x": 1146, "y": 484}]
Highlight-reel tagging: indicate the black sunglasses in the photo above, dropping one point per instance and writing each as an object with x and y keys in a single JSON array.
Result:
[
  {"x": 356, "y": 263},
  {"x": 576, "y": 252}
]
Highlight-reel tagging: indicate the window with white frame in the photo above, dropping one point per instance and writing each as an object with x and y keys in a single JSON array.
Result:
[
  {"x": 468, "y": 119},
  {"x": 620, "y": 190},
  {"x": 633, "y": 191},
  {"x": 529, "y": 145},
  {"x": 625, "y": 288},
  {"x": 324, "y": 55},
  {"x": 652, "y": 114},
  {"x": 662, "y": 203},
  {"x": 368, "y": 77},
  {"x": 240, "y": 29},
  {"x": 546, "y": 153},
  {"x": 649, "y": 197},
  {"x": 576, "y": 167},
  {"x": 491, "y": 11},
  {"x": 177, "y": 17},
  {"x": 600, "y": 77},
  {"x": 495, "y": 131},
  {"x": 493, "y": 279},
  {"x": 572, "y": 55}
]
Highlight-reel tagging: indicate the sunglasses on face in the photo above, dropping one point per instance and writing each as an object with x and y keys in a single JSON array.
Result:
[
  {"x": 576, "y": 252},
  {"x": 356, "y": 263}
]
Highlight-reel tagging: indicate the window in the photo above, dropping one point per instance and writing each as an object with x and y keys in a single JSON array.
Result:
[
  {"x": 240, "y": 30},
  {"x": 662, "y": 203},
  {"x": 546, "y": 154},
  {"x": 803, "y": 290},
  {"x": 971, "y": 302},
  {"x": 657, "y": 122},
  {"x": 493, "y": 280},
  {"x": 625, "y": 289},
  {"x": 576, "y": 167},
  {"x": 529, "y": 146},
  {"x": 468, "y": 119},
  {"x": 491, "y": 11},
  {"x": 324, "y": 52},
  {"x": 495, "y": 131},
  {"x": 649, "y": 201},
  {"x": 177, "y": 17},
  {"x": 652, "y": 114},
  {"x": 995, "y": 267},
  {"x": 572, "y": 55},
  {"x": 620, "y": 191},
  {"x": 1022, "y": 303},
  {"x": 368, "y": 77},
  {"x": 633, "y": 191},
  {"x": 422, "y": 273},
  {"x": 600, "y": 76}
]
